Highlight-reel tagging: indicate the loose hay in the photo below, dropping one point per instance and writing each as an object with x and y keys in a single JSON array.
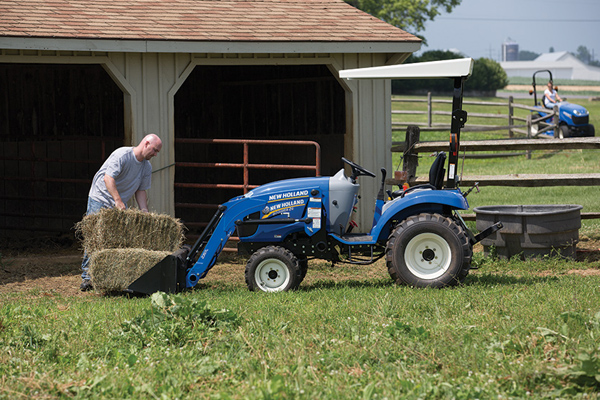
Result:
[
  {"x": 116, "y": 269},
  {"x": 121, "y": 229}
]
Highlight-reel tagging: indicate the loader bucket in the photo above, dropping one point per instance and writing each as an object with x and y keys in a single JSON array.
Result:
[{"x": 168, "y": 275}]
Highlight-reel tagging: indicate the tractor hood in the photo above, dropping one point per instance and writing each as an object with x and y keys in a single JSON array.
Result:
[
  {"x": 289, "y": 187},
  {"x": 570, "y": 111}
]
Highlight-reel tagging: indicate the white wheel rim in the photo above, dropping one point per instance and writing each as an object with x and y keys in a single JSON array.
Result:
[
  {"x": 428, "y": 256},
  {"x": 272, "y": 275},
  {"x": 534, "y": 129}
]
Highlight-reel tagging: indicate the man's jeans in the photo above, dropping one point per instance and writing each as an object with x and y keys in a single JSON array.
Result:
[{"x": 92, "y": 208}]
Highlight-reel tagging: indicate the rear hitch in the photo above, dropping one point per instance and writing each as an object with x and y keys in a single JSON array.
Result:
[{"x": 487, "y": 232}]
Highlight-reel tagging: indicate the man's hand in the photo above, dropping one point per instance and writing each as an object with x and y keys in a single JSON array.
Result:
[{"x": 111, "y": 186}]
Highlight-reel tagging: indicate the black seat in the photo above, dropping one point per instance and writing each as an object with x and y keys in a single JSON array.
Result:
[
  {"x": 437, "y": 171},
  {"x": 436, "y": 177}
]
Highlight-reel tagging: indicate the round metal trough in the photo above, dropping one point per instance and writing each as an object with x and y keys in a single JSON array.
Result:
[{"x": 531, "y": 230}]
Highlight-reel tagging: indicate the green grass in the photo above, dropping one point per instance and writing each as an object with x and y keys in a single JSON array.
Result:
[
  {"x": 515, "y": 329},
  {"x": 540, "y": 79},
  {"x": 510, "y": 332}
]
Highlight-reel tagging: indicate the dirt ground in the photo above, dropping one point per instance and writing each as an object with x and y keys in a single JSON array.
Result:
[{"x": 55, "y": 269}]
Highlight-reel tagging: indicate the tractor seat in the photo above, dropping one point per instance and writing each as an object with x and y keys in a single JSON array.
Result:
[{"x": 436, "y": 177}]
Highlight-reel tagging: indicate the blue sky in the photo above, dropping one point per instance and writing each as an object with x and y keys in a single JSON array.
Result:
[{"x": 477, "y": 28}]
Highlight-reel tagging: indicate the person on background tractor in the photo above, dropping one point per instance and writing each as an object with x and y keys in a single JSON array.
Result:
[
  {"x": 551, "y": 96},
  {"x": 125, "y": 173}
]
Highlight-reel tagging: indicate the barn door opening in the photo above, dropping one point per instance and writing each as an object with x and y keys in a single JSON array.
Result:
[
  {"x": 58, "y": 123},
  {"x": 292, "y": 102}
]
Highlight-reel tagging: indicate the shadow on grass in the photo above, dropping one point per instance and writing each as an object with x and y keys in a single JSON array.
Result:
[
  {"x": 497, "y": 279},
  {"x": 350, "y": 283}
]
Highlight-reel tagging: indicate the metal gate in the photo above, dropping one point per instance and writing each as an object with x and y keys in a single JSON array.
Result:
[{"x": 183, "y": 207}]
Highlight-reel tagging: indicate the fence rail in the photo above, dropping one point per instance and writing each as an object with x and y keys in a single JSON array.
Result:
[
  {"x": 524, "y": 127},
  {"x": 412, "y": 146}
]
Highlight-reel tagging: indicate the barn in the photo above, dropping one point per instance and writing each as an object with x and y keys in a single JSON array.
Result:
[{"x": 79, "y": 79}]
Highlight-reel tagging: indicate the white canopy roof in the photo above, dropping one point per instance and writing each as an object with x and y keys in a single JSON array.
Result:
[{"x": 434, "y": 69}]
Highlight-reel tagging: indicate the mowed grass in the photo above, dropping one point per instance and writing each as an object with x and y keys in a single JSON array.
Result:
[{"x": 515, "y": 329}]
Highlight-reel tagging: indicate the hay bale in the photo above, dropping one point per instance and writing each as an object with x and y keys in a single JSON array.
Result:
[
  {"x": 120, "y": 229},
  {"x": 116, "y": 269}
]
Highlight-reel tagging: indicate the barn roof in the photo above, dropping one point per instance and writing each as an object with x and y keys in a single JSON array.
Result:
[{"x": 195, "y": 20}]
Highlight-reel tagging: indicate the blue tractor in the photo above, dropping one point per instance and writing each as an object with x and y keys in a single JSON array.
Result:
[
  {"x": 573, "y": 119},
  {"x": 282, "y": 225}
]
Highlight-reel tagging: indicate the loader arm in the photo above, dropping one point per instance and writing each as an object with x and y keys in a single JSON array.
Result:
[{"x": 211, "y": 242}]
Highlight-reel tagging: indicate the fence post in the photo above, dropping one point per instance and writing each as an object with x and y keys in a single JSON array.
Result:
[
  {"x": 510, "y": 116},
  {"x": 410, "y": 157},
  {"x": 429, "y": 110},
  {"x": 555, "y": 120},
  {"x": 529, "y": 118}
]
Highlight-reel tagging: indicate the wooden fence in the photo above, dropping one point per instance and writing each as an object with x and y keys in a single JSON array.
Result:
[
  {"x": 530, "y": 125},
  {"x": 412, "y": 146}
]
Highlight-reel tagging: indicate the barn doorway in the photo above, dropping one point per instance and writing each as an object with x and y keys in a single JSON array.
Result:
[
  {"x": 292, "y": 102},
  {"x": 58, "y": 123}
]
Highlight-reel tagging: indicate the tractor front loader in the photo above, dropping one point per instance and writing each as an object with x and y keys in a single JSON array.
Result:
[{"x": 283, "y": 224}]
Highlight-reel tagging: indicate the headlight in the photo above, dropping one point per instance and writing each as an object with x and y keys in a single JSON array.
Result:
[{"x": 580, "y": 113}]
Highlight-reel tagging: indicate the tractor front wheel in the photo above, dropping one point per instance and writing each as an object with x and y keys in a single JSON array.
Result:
[
  {"x": 273, "y": 269},
  {"x": 564, "y": 132},
  {"x": 428, "y": 250}
]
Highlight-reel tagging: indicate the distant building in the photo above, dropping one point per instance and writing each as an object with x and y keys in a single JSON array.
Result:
[
  {"x": 510, "y": 50},
  {"x": 563, "y": 65}
]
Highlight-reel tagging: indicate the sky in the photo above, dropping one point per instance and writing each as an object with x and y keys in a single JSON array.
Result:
[{"x": 477, "y": 28}]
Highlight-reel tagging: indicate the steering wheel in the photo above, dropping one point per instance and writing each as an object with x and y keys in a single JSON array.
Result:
[{"x": 357, "y": 170}]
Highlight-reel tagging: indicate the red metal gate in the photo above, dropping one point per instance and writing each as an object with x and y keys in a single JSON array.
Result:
[{"x": 245, "y": 165}]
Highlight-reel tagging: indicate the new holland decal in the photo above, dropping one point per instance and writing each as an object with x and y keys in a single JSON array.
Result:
[{"x": 286, "y": 201}]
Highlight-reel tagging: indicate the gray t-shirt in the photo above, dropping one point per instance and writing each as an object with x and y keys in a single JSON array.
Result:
[{"x": 129, "y": 174}]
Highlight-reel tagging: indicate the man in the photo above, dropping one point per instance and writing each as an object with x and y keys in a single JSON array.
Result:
[{"x": 125, "y": 173}]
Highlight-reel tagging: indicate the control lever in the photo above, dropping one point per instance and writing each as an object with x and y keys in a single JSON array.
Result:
[{"x": 475, "y": 186}]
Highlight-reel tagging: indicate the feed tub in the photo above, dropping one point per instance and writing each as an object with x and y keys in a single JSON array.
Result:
[{"x": 531, "y": 230}]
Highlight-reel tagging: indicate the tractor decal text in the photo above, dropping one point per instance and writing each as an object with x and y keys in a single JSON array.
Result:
[
  {"x": 288, "y": 195},
  {"x": 283, "y": 206}
]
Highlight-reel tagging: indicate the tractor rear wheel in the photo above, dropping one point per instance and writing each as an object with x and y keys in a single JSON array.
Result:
[
  {"x": 273, "y": 269},
  {"x": 428, "y": 250}
]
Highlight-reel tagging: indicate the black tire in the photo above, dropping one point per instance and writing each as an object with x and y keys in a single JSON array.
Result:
[
  {"x": 303, "y": 263},
  {"x": 428, "y": 250},
  {"x": 564, "y": 132},
  {"x": 273, "y": 269},
  {"x": 590, "y": 131}
]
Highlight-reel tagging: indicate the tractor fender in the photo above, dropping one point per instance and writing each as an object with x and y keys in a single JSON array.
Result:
[{"x": 427, "y": 200}]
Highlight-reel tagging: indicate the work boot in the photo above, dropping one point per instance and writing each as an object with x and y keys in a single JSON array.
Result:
[{"x": 86, "y": 286}]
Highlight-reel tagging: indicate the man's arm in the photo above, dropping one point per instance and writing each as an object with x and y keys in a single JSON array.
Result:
[
  {"x": 142, "y": 199},
  {"x": 111, "y": 186}
]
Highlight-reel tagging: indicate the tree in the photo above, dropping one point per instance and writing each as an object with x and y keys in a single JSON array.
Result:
[
  {"x": 487, "y": 76},
  {"x": 409, "y": 15},
  {"x": 525, "y": 55},
  {"x": 584, "y": 54}
]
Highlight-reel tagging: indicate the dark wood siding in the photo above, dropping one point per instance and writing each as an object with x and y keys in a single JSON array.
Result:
[
  {"x": 295, "y": 102},
  {"x": 57, "y": 125}
]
